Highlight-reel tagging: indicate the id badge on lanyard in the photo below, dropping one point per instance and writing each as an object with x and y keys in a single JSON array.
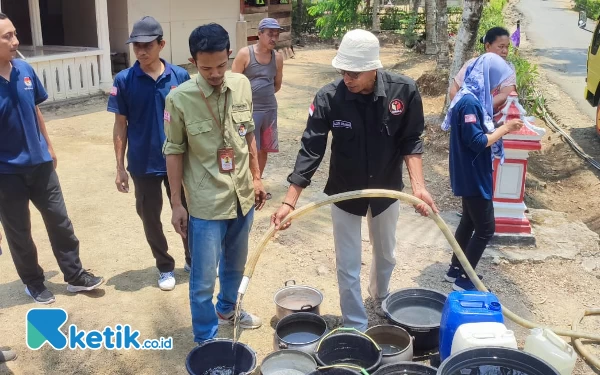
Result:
[{"x": 225, "y": 155}]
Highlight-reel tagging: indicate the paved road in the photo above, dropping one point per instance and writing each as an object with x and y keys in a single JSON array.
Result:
[{"x": 561, "y": 45}]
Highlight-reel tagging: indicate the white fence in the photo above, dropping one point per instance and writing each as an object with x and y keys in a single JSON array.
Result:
[{"x": 69, "y": 74}]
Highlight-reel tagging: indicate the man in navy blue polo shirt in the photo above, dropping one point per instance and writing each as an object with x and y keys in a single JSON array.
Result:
[
  {"x": 27, "y": 173},
  {"x": 138, "y": 101}
]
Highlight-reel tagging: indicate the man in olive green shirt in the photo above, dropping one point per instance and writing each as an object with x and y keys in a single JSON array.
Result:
[{"x": 210, "y": 146}]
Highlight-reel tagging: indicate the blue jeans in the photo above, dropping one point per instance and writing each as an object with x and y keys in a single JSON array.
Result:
[{"x": 216, "y": 242}]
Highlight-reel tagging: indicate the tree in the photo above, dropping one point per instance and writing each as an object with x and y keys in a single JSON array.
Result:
[
  {"x": 467, "y": 35},
  {"x": 376, "y": 25},
  {"x": 335, "y": 17},
  {"x": 415, "y": 6},
  {"x": 430, "y": 40},
  {"x": 443, "y": 56}
]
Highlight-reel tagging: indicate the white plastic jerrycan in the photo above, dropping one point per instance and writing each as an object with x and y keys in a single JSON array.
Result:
[
  {"x": 546, "y": 345},
  {"x": 483, "y": 334}
]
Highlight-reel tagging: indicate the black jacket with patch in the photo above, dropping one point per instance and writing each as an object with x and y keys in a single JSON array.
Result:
[{"x": 371, "y": 135}]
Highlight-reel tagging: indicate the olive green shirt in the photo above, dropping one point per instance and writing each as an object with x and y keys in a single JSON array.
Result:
[{"x": 191, "y": 130}]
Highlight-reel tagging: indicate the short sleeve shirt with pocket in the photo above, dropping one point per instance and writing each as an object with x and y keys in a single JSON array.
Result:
[{"x": 191, "y": 130}]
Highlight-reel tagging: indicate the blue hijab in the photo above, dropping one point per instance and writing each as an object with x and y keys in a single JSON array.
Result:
[{"x": 482, "y": 76}]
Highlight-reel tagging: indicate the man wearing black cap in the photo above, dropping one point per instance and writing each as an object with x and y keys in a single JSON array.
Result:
[{"x": 138, "y": 101}]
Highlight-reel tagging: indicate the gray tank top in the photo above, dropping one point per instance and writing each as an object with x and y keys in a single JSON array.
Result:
[{"x": 262, "y": 79}]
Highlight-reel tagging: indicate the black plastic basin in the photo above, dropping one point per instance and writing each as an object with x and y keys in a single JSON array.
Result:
[
  {"x": 419, "y": 311},
  {"x": 495, "y": 361}
]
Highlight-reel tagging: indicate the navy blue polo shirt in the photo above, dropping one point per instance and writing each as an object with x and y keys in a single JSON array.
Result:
[
  {"x": 470, "y": 157},
  {"x": 22, "y": 145},
  {"x": 141, "y": 99}
]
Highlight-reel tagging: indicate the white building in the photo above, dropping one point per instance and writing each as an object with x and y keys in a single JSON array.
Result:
[{"x": 70, "y": 42}]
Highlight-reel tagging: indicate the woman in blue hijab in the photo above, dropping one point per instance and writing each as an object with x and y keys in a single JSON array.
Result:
[{"x": 474, "y": 142}]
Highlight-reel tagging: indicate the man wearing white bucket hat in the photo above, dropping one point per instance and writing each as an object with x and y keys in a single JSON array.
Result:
[{"x": 376, "y": 121}]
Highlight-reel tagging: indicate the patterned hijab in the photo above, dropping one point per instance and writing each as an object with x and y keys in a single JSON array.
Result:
[{"x": 482, "y": 76}]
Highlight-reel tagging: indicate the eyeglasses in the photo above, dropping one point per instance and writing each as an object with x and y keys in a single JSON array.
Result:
[{"x": 352, "y": 75}]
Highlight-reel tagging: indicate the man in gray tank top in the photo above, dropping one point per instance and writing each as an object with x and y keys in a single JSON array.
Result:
[{"x": 264, "y": 68}]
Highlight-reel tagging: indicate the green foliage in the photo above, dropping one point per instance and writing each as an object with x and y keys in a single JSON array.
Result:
[
  {"x": 304, "y": 22},
  {"x": 491, "y": 17},
  {"x": 591, "y": 7},
  {"x": 527, "y": 74},
  {"x": 335, "y": 17},
  {"x": 332, "y": 18}
]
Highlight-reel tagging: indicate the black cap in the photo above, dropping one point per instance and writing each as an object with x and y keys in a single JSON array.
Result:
[{"x": 145, "y": 30}]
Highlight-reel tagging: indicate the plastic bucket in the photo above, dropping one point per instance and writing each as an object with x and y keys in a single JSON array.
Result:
[
  {"x": 419, "y": 311},
  {"x": 217, "y": 356},
  {"x": 347, "y": 346},
  {"x": 406, "y": 368},
  {"x": 338, "y": 370},
  {"x": 495, "y": 361}
]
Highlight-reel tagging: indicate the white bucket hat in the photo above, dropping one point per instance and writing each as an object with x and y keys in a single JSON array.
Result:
[{"x": 358, "y": 52}]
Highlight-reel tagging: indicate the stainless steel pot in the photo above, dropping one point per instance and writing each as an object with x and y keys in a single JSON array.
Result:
[
  {"x": 297, "y": 298},
  {"x": 300, "y": 331},
  {"x": 291, "y": 362},
  {"x": 396, "y": 343}
]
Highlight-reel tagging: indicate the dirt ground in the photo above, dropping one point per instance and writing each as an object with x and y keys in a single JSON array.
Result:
[{"x": 113, "y": 244}]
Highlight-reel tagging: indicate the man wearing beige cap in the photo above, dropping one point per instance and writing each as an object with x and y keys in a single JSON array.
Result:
[
  {"x": 376, "y": 121},
  {"x": 264, "y": 68}
]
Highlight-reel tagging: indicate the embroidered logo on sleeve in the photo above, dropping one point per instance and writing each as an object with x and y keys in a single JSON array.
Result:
[
  {"x": 27, "y": 81},
  {"x": 470, "y": 119},
  {"x": 114, "y": 91},
  {"x": 173, "y": 87},
  {"x": 342, "y": 124},
  {"x": 167, "y": 116},
  {"x": 311, "y": 109}
]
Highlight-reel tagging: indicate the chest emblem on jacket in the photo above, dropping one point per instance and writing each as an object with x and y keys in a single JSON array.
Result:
[{"x": 396, "y": 107}]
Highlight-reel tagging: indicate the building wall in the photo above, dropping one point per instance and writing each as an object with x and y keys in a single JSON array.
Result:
[
  {"x": 79, "y": 22},
  {"x": 118, "y": 25},
  {"x": 179, "y": 17}
]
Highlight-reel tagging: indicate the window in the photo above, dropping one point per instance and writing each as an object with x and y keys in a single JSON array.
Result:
[{"x": 596, "y": 41}]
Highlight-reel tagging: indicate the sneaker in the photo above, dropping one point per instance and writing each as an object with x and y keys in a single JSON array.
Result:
[
  {"x": 464, "y": 283},
  {"x": 85, "y": 282},
  {"x": 7, "y": 355},
  {"x": 166, "y": 281},
  {"x": 40, "y": 294},
  {"x": 187, "y": 268},
  {"x": 452, "y": 274},
  {"x": 247, "y": 320}
]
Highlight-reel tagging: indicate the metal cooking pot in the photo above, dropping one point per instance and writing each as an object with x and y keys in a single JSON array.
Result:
[
  {"x": 395, "y": 342},
  {"x": 296, "y": 298},
  {"x": 300, "y": 331},
  {"x": 291, "y": 362}
]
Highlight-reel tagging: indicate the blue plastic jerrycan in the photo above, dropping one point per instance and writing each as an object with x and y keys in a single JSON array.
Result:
[{"x": 466, "y": 307}]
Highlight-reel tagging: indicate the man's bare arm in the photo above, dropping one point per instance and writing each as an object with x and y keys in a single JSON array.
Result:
[{"x": 279, "y": 75}]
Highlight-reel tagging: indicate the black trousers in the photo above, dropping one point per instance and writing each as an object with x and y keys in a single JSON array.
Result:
[
  {"x": 42, "y": 188},
  {"x": 149, "y": 204},
  {"x": 476, "y": 228}
]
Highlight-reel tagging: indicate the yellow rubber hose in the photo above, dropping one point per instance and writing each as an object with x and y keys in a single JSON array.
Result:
[
  {"x": 589, "y": 357},
  {"x": 407, "y": 198}
]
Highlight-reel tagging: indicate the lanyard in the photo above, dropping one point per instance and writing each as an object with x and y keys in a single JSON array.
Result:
[{"x": 219, "y": 122}]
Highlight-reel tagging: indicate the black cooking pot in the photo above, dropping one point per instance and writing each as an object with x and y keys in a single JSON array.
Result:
[{"x": 419, "y": 311}]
